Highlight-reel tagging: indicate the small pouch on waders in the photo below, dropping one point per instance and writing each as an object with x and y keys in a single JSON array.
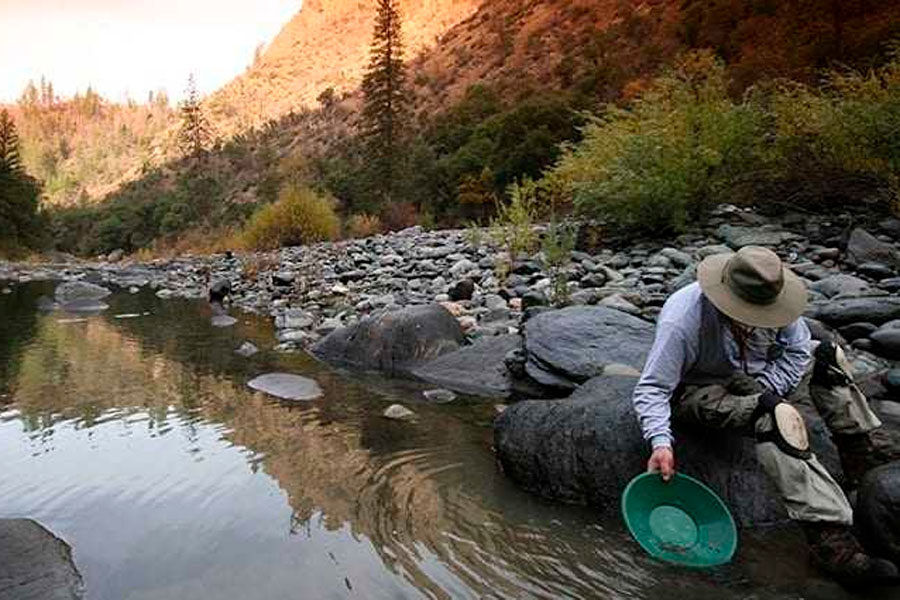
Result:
[{"x": 788, "y": 429}]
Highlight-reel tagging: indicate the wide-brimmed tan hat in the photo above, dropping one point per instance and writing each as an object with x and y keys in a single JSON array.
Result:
[{"x": 753, "y": 287}]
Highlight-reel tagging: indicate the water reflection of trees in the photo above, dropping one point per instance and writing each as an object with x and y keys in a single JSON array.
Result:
[
  {"x": 405, "y": 487},
  {"x": 18, "y": 325}
]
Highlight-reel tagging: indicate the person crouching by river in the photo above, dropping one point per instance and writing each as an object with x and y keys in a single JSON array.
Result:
[{"x": 728, "y": 350}]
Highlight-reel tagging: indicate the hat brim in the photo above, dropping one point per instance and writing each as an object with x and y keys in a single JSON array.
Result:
[{"x": 786, "y": 309}]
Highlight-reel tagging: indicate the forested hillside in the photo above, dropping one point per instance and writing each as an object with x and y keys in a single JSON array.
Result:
[
  {"x": 495, "y": 89},
  {"x": 82, "y": 148}
]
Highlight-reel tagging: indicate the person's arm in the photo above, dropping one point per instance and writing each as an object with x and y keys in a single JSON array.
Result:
[
  {"x": 784, "y": 373},
  {"x": 666, "y": 365}
]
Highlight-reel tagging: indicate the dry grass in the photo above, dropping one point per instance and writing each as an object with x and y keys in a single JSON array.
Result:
[
  {"x": 196, "y": 241},
  {"x": 363, "y": 225}
]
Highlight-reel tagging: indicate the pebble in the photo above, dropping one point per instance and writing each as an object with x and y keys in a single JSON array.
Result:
[
  {"x": 247, "y": 350},
  {"x": 398, "y": 412},
  {"x": 439, "y": 396}
]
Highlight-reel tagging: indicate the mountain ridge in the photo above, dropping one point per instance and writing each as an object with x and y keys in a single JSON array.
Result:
[{"x": 325, "y": 45}]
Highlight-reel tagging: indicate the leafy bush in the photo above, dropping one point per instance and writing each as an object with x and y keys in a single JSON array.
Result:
[
  {"x": 843, "y": 135},
  {"x": 364, "y": 225},
  {"x": 556, "y": 248},
  {"x": 685, "y": 146},
  {"x": 299, "y": 216},
  {"x": 676, "y": 151},
  {"x": 512, "y": 230}
]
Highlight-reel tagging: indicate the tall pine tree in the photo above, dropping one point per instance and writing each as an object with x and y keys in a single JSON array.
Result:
[
  {"x": 10, "y": 161},
  {"x": 386, "y": 102},
  {"x": 195, "y": 135},
  {"x": 20, "y": 223}
]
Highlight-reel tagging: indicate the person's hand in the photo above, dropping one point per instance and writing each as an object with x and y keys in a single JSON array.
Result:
[
  {"x": 742, "y": 384},
  {"x": 662, "y": 461}
]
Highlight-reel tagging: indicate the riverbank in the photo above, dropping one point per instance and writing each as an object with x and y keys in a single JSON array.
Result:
[{"x": 853, "y": 276}]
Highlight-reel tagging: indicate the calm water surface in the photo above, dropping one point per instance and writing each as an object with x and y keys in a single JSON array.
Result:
[{"x": 132, "y": 435}]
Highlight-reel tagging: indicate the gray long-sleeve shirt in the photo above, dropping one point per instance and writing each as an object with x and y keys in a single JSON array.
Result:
[{"x": 694, "y": 345}]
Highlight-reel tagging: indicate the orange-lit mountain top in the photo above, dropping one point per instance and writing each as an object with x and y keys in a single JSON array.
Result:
[
  {"x": 601, "y": 47},
  {"x": 325, "y": 45}
]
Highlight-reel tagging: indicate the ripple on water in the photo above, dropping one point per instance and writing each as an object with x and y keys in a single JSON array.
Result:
[{"x": 139, "y": 443}]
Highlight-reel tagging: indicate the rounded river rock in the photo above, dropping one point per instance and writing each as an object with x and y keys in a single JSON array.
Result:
[{"x": 286, "y": 386}]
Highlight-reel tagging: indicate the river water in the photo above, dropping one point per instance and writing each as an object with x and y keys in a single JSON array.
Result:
[{"x": 132, "y": 435}]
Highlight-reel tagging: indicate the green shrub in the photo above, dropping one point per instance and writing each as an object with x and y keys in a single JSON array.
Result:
[
  {"x": 299, "y": 216},
  {"x": 676, "y": 151},
  {"x": 844, "y": 133},
  {"x": 512, "y": 230}
]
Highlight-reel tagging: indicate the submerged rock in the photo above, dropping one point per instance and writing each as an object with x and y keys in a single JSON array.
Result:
[
  {"x": 393, "y": 341},
  {"x": 35, "y": 564},
  {"x": 74, "y": 291},
  {"x": 84, "y": 306},
  {"x": 247, "y": 350},
  {"x": 286, "y": 386},
  {"x": 586, "y": 448},
  {"x": 439, "y": 396},
  {"x": 223, "y": 321},
  {"x": 398, "y": 412}
]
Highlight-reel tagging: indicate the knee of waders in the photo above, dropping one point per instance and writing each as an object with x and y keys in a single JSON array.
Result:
[{"x": 787, "y": 430}]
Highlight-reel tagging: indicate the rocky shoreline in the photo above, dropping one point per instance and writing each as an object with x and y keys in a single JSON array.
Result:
[
  {"x": 853, "y": 276},
  {"x": 433, "y": 306}
]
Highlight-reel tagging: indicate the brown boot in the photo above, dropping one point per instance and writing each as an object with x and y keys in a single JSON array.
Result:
[
  {"x": 861, "y": 452},
  {"x": 836, "y": 551}
]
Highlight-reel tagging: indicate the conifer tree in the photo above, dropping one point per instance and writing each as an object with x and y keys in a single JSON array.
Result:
[
  {"x": 386, "y": 101},
  {"x": 195, "y": 135},
  {"x": 10, "y": 161},
  {"x": 19, "y": 220}
]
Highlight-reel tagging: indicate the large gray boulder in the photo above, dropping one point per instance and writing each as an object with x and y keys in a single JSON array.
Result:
[
  {"x": 35, "y": 564},
  {"x": 586, "y": 448},
  {"x": 567, "y": 347},
  {"x": 863, "y": 247},
  {"x": 841, "y": 284},
  {"x": 874, "y": 309},
  {"x": 393, "y": 341},
  {"x": 764, "y": 235},
  {"x": 479, "y": 369},
  {"x": 877, "y": 512}
]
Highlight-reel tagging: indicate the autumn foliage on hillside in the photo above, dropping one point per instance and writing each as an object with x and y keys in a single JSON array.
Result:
[
  {"x": 84, "y": 147},
  {"x": 499, "y": 92},
  {"x": 612, "y": 48}
]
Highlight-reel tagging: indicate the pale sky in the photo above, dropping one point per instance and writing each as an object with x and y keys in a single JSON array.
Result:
[{"x": 132, "y": 46}]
